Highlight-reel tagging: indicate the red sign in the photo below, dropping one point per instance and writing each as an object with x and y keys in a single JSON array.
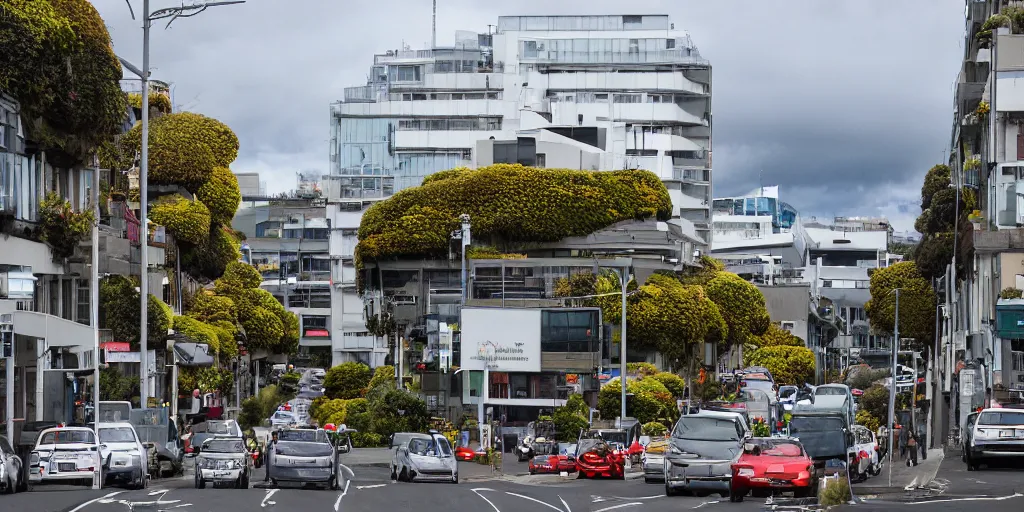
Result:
[
  {"x": 317, "y": 333},
  {"x": 116, "y": 346}
]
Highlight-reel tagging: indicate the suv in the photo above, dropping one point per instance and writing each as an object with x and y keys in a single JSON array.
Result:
[
  {"x": 997, "y": 434},
  {"x": 701, "y": 451}
]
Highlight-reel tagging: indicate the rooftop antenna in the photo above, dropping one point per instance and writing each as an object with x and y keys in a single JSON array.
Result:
[
  {"x": 433, "y": 28},
  {"x": 760, "y": 180}
]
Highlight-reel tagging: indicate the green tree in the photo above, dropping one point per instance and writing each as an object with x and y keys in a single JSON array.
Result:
[
  {"x": 571, "y": 418},
  {"x": 875, "y": 401},
  {"x": 935, "y": 180},
  {"x": 672, "y": 382},
  {"x": 776, "y": 336},
  {"x": 650, "y": 400},
  {"x": 917, "y": 303},
  {"x": 742, "y": 306},
  {"x": 789, "y": 365},
  {"x": 382, "y": 376},
  {"x": 347, "y": 380}
]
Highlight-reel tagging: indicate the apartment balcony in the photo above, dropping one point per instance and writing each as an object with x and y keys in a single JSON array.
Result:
[
  {"x": 682, "y": 56},
  {"x": 315, "y": 276},
  {"x": 696, "y": 176},
  {"x": 366, "y": 94},
  {"x": 344, "y": 188},
  {"x": 357, "y": 342},
  {"x": 624, "y": 81},
  {"x": 410, "y": 56}
]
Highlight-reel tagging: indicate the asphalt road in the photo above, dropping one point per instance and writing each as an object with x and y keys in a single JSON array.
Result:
[{"x": 370, "y": 489}]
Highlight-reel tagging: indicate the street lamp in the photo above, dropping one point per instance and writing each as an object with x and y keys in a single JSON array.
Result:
[
  {"x": 622, "y": 270},
  {"x": 465, "y": 238},
  {"x": 892, "y": 386},
  {"x": 183, "y": 11}
]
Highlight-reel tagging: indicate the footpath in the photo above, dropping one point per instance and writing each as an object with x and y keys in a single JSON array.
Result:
[{"x": 906, "y": 482}]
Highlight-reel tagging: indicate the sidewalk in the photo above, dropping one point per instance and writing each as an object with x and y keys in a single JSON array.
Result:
[
  {"x": 372, "y": 457},
  {"x": 904, "y": 479}
]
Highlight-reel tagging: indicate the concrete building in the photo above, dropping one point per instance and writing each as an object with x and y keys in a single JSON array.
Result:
[{"x": 579, "y": 92}]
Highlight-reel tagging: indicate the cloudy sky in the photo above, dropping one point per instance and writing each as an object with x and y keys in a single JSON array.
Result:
[{"x": 843, "y": 103}]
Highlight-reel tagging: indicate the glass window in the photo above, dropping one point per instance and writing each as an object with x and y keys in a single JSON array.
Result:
[
  {"x": 705, "y": 428},
  {"x": 117, "y": 435},
  {"x": 82, "y": 310},
  {"x": 68, "y": 437},
  {"x": 1001, "y": 418}
]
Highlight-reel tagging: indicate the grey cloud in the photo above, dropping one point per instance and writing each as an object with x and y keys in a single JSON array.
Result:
[{"x": 822, "y": 97}]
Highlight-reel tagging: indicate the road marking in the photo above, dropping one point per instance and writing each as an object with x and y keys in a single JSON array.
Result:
[
  {"x": 567, "y": 509},
  {"x": 712, "y": 503},
  {"x": 477, "y": 491},
  {"x": 337, "y": 503},
  {"x": 266, "y": 499},
  {"x": 606, "y": 509},
  {"x": 350, "y": 472},
  {"x": 90, "y": 502},
  {"x": 535, "y": 500},
  {"x": 598, "y": 499},
  {"x": 370, "y": 486},
  {"x": 158, "y": 491},
  {"x": 980, "y": 498}
]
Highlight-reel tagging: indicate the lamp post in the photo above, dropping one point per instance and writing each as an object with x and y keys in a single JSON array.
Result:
[
  {"x": 892, "y": 386},
  {"x": 183, "y": 11},
  {"x": 622, "y": 271},
  {"x": 466, "y": 240}
]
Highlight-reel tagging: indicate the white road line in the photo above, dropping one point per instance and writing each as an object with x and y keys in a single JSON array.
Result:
[
  {"x": 158, "y": 491},
  {"x": 535, "y": 500},
  {"x": 626, "y": 498},
  {"x": 980, "y": 498},
  {"x": 477, "y": 491},
  {"x": 370, "y": 486},
  {"x": 706, "y": 503},
  {"x": 567, "y": 509},
  {"x": 90, "y": 502},
  {"x": 350, "y": 472},
  {"x": 337, "y": 503},
  {"x": 606, "y": 509},
  {"x": 266, "y": 499}
]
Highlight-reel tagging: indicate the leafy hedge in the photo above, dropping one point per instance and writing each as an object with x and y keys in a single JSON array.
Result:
[
  {"x": 221, "y": 195},
  {"x": 509, "y": 203},
  {"x": 789, "y": 365},
  {"x": 59, "y": 64},
  {"x": 63, "y": 229},
  {"x": 188, "y": 221},
  {"x": 742, "y": 306},
  {"x": 197, "y": 331},
  {"x": 776, "y": 336},
  {"x": 157, "y": 100}
]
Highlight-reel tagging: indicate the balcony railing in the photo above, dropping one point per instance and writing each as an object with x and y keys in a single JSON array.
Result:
[
  {"x": 365, "y": 94},
  {"x": 315, "y": 275},
  {"x": 403, "y": 55},
  {"x": 692, "y": 175},
  {"x": 680, "y": 56}
]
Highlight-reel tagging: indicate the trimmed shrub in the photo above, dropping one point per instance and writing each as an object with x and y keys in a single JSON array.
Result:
[
  {"x": 221, "y": 195},
  {"x": 188, "y": 221}
]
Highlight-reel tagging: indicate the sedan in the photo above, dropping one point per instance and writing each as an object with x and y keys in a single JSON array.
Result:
[
  {"x": 425, "y": 457},
  {"x": 772, "y": 465},
  {"x": 12, "y": 479},
  {"x": 304, "y": 456}
]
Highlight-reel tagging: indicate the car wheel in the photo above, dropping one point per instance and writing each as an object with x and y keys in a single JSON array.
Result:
[
  {"x": 669, "y": 491},
  {"x": 455, "y": 479},
  {"x": 404, "y": 476},
  {"x": 736, "y": 495},
  {"x": 273, "y": 481}
]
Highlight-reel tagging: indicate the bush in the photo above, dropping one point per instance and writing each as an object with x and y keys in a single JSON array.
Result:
[
  {"x": 776, "y": 336},
  {"x": 257, "y": 409},
  {"x": 188, "y": 221},
  {"x": 868, "y": 420},
  {"x": 347, "y": 380},
  {"x": 197, "y": 332},
  {"x": 221, "y": 195},
  {"x": 238, "y": 276},
  {"x": 672, "y": 382},
  {"x": 368, "y": 440},
  {"x": 788, "y": 365},
  {"x": 382, "y": 376},
  {"x": 651, "y": 401},
  {"x": 875, "y": 401},
  {"x": 640, "y": 369},
  {"x": 212, "y": 308},
  {"x": 290, "y": 381},
  {"x": 835, "y": 491},
  {"x": 571, "y": 418},
  {"x": 741, "y": 304},
  {"x": 62, "y": 227},
  {"x": 510, "y": 203},
  {"x": 157, "y": 100},
  {"x": 654, "y": 429},
  {"x": 184, "y": 148}
]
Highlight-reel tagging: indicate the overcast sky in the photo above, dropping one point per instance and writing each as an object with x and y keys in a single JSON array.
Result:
[{"x": 843, "y": 103}]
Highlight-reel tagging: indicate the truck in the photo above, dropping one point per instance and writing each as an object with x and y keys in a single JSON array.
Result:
[{"x": 825, "y": 434}]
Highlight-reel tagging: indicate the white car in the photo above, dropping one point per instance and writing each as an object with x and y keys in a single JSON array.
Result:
[
  {"x": 64, "y": 455},
  {"x": 284, "y": 419},
  {"x": 653, "y": 461},
  {"x": 998, "y": 434},
  {"x": 124, "y": 457},
  {"x": 865, "y": 453},
  {"x": 319, "y": 373},
  {"x": 425, "y": 457},
  {"x": 12, "y": 479}
]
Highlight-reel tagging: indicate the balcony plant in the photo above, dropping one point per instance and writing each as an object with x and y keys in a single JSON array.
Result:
[
  {"x": 62, "y": 228},
  {"x": 982, "y": 110},
  {"x": 160, "y": 101}
]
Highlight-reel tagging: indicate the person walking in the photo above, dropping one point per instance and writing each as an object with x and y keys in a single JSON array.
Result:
[
  {"x": 912, "y": 449},
  {"x": 266, "y": 456},
  {"x": 904, "y": 438}
]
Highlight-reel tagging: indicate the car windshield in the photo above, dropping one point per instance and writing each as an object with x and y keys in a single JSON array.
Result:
[
  {"x": 697, "y": 428},
  {"x": 1001, "y": 418},
  {"x": 219, "y": 427},
  {"x": 829, "y": 391},
  {"x": 420, "y": 446},
  {"x": 283, "y": 415},
  {"x": 444, "y": 449},
  {"x": 306, "y": 436},
  {"x": 117, "y": 435},
  {"x": 787, "y": 391},
  {"x": 756, "y": 395},
  {"x": 223, "y": 446},
  {"x": 68, "y": 437},
  {"x": 779, "y": 448}
]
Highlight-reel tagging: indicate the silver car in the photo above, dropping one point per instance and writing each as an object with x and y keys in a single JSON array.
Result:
[
  {"x": 701, "y": 451},
  {"x": 304, "y": 456},
  {"x": 223, "y": 460},
  {"x": 12, "y": 479},
  {"x": 425, "y": 457}
]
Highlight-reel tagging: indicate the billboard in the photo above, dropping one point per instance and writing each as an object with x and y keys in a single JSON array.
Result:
[{"x": 503, "y": 339}]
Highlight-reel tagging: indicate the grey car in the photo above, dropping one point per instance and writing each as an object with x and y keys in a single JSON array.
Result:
[
  {"x": 425, "y": 457},
  {"x": 223, "y": 460},
  {"x": 12, "y": 476},
  {"x": 701, "y": 451},
  {"x": 304, "y": 456}
]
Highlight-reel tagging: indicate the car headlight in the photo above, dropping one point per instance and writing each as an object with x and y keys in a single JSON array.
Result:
[
  {"x": 33, "y": 459},
  {"x": 745, "y": 472}
]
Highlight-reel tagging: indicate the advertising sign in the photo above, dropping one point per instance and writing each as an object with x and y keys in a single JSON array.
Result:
[{"x": 501, "y": 339}]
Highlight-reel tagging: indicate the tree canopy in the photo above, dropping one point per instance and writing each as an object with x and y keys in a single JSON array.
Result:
[{"x": 917, "y": 302}]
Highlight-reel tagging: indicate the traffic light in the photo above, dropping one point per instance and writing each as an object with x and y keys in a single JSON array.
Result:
[{"x": 7, "y": 340}]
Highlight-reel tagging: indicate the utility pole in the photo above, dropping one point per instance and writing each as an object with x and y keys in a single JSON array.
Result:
[
  {"x": 183, "y": 11},
  {"x": 892, "y": 386}
]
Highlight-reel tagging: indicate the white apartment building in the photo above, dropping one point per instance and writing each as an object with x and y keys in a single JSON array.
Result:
[{"x": 592, "y": 92}]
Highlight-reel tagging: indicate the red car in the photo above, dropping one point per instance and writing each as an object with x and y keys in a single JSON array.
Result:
[
  {"x": 771, "y": 465},
  {"x": 464, "y": 453},
  {"x": 595, "y": 458},
  {"x": 552, "y": 464}
]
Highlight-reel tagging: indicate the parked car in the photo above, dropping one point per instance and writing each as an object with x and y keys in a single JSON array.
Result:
[
  {"x": 284, "y": 419},
  {"x": 223, "y": 460},
  {"x": 596, "y": 457},
  {"x": 653, "y": 460},
  {"x": 864, "y": 457},
  {"x": 12, "y": 478},
  {"x": 770, "y": 465},
  {"x": 124, "y": 457},
  {"x": 968, "y": 435},
  {"x": 425, "y": 457},
  {"x": 997, "y": 434},
  {"x": 214, "y": 428},
  {"x": 304, "y": 456},
  {"x": 702, "y": 449},
  {"x": 159, "y": 435},
  {"x": 544, "y": 464},
  {"x": 64, "y": 455},
  {"x": 465, "y": 453}
]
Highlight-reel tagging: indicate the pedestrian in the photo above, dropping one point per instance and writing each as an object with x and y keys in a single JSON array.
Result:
[
  {"x": 904, "y": 438},
  {"x": 266, "y": 455},
  {"x": 912, "y": 449}
]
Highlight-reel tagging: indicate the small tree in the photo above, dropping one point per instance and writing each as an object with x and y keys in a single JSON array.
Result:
[
  {"x": 571, "y": 418},
  {"x": 789, "y": 365},
  {"x": 917, "y": 303},
  {"x": 347, "y": 380}
]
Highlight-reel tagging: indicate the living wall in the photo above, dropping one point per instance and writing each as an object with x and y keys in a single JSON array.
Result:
[
  {"x": 56, "y": 59},
  {"x": 508, "y": 204}
]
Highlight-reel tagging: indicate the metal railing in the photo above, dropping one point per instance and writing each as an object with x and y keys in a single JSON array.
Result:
[
  {"x": 364, "y": 93},
  {"x": 694, "y": 175},
  {"x": 680, "y": 56}
]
